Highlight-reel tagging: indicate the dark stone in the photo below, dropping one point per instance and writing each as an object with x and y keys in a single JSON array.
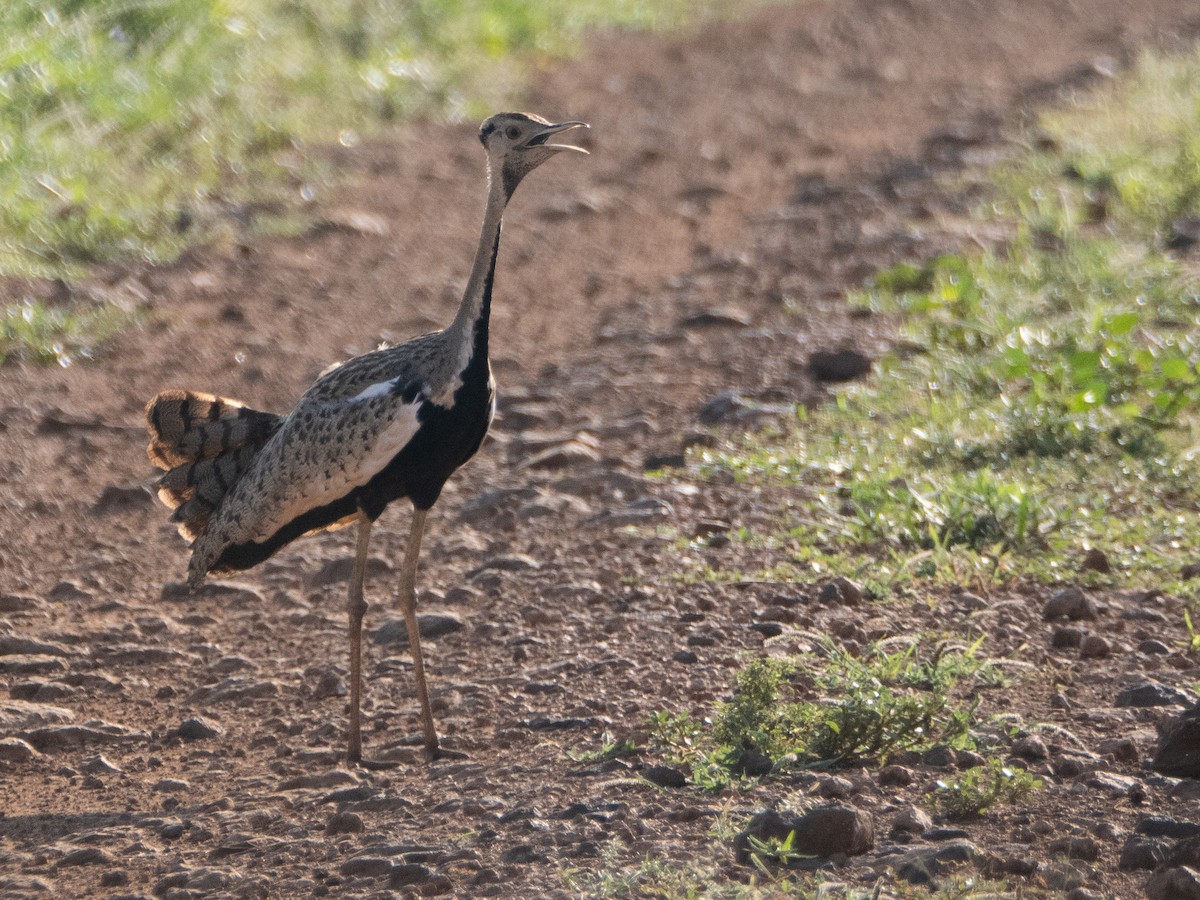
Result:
[
  {"x": 895, "y": 776},
  {"x": 1095, "y": 560},
  {"x": 838, "y": 365},
  {"x": 1178, "y": 751},
  {"x": 1066, "y": 637},
  {"x": 687, "y": 657},
  {"x": 665, "y": 776},
  {"x": 196, "y": 729},
  {"x": 1151, "y": 693},
  {"x": 929, "y": 863},
  {"x": 767, "y": 629},
  {"x": 1142, "y": 853},
  {"x": 1070, "y": 603},
  {"x": 1084, "y": 848},
  {"x": 1179, "y": 883},
  {"x": 547, "y": 723},
  {"x": 368, "y": 866},
  {"x": 344, "y": 823},
  {"x": 822, "y": 832},
  {"x": 1165, "y": 826},
  {"x": 755, "y": 764},
  {"x": 406, "y": 874},
  {"x": 431, "y": 625},
  {"x": 841, "y": 591}
]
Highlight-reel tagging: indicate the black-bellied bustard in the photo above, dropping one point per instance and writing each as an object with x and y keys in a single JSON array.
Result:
[{"x": 385, "y": 425}]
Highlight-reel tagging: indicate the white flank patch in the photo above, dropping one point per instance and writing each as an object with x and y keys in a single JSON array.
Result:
[
  {"x": 338, "y": 470},
  {"x": 374, "y": 390}
]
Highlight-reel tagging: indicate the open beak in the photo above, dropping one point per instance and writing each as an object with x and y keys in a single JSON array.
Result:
[{"x": 539, "y": 139}]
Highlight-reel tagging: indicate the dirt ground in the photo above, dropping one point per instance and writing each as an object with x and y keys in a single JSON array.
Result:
[{"x": 780, "y": 158}]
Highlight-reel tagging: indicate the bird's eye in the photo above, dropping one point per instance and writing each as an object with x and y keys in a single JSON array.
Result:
[{"x": 513, "y": 132}]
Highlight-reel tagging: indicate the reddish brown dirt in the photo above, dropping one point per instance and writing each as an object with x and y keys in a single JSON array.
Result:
[{"x": 784, "y": 157}]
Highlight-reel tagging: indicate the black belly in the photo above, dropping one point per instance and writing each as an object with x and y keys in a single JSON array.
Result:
[{"x": 446, "y": 439}]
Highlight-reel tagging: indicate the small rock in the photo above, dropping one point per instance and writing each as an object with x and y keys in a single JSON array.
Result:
[
  {"x": 410, "y": 874},
  {"x": 1153, "y": 647},
  {"x": 912, "y": 820},
  {"x": 755, "y": 764},
  {"x": 1095, "y": 560},
  {"x": 895, "y": 776},
  {"x": 98, "y": 765},
  {"x": 15, "y": 750},
  {"x": 344, "y": 823},
  {"x": 114, "y": 878},
  {"x": 522, "y": 854},
  {"x": 431, "y": 625},
  {"x": 724, "y": 407},
  {"x": 1031, "y": 747},
  {"x": 1066, "y": 637},
  {"x": 687, "y": 657},
  {"x": 337, "y": 571},
  {"x": 366, "y": 866},
  {"x": 767, "y": 629},
  {"x": 1084, "y": 848},
  {"x": 1070, "y": 603},
  {"x": 835, "y": 788},
  {"x": 1142, "y": 853},
  {"x": 1114, "y": 785},
  {"x": 838, "y": 365},
  {"x": 84, "y": 856},
  {"x": 822, "y": 832},
  {"x": 1151, "y": 693},
  {"x": 1165, "y": 826},
  {"x": 196, "y": 728},
  {"x": 941, "y": 756},
  {"x": 1178, "y": 883},
  {"x": 929, "y": 863},
  {"x": 171, "y": 785},
  {"x": 1120, "y": 749},
  {"x": 665, "y": 776},
  {"x": 1189, "y": 571},
  {"x": 1094, "y": 647},
  {"x": 1178, "y": 751},
  {"x": 840, "y": 591}
]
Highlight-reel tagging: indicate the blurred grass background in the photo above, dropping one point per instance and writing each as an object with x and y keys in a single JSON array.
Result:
[{"x": 132, "y": 128}]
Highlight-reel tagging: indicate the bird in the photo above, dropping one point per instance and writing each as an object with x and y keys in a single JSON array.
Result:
[{"x": 390, "y": 424}]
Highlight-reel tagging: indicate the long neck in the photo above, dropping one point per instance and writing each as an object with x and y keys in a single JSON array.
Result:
[{"x": 476, "y": 303}]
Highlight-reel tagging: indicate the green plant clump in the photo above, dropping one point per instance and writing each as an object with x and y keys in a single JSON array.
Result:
[{"x": 977, "y": 790}]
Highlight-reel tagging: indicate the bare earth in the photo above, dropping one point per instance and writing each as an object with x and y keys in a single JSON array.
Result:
[{"x": 787, "y": 156}]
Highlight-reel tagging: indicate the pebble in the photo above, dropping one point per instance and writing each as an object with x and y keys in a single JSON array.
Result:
[
  {"x": 1095, "y": 560},
  {"x": 73, "y": 737},
  {"x": 196, "y": 728},
  {"x": 98, "y": 765},
  {"x": 841, "y": 591},
  {"x": 1165, "y": 826},
  {"x": 895, "y": 776},
  {"x": 1151, "y": 693},
  {"x": 1030, "y": 747},
  {"x": 665, "y": 776},
  {"x": 1070, "y": 603},
  {"x": 1177, "y": 883},
  {"x": 838, "y": 365},
  {"x": 1142, "y": 853},
  {"x": 926, "y": 864},
  {"x": 1066, "y": 637},
  {"x": 1178, "y": 751},
  {"x": 85, "y": 856},
  {"x": 15, "y": 750},
  {"x": 912, "y": 820},
  {"x": 1093, "y": 646},
  {"x": 1084, "y": 848},
  {"x": 821, "y": 832},
  {"x": 344, "y": 823}
]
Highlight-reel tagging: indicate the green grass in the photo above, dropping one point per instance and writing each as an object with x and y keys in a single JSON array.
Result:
[
  {"x": 1047, "y": 398},
  {"x": 831, "y": 708},
  {"x": 131, "y": 128},
  {"x": 43, "y": 334}
]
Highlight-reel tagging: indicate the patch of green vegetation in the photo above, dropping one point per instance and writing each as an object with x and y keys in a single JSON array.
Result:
[
  {"x": 830, "y": 709},
  {"x": 130, "y": 128},
  {"x": 977, "y": 790},
  {"x": 1047, "y": 399},
  {"x": 50, "y": 334}
]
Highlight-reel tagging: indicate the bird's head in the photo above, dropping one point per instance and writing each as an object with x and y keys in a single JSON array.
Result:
[{"x": 517, "y": 143}]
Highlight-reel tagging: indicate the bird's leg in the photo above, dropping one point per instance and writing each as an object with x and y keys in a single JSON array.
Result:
[
  {"x": 357, "y": 608},
  {"x": 408, "y": 599}
]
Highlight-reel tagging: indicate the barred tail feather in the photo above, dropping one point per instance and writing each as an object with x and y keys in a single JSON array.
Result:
[{"x": 205, "y": 443}]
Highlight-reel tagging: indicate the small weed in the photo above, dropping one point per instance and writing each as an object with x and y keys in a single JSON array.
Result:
[
  {"x": 878, "y": 705},
  {"x": 772, "y": 853},
  {"x": 976, "y": 790},
  {"x": 610, "y": 749}
]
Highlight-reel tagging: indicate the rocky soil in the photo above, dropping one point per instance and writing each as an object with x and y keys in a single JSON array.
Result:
[{"x": 158, "y": 743}]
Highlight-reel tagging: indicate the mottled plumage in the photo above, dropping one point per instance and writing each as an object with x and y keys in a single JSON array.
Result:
[{"x": 393, "y": 423}]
